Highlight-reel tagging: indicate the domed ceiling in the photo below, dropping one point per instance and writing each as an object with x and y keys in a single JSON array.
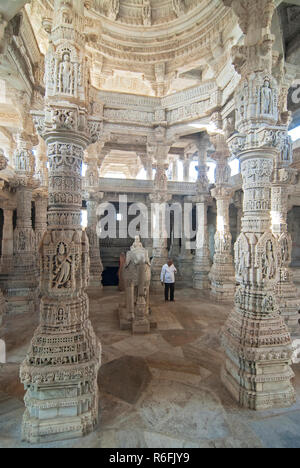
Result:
[
  {"x": 143, "y": 12},
  {"x": 151, "y": 47}
]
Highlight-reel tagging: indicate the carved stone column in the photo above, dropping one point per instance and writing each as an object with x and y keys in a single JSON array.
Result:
[
  {"x": 238, "y": 203},
  {"x": 186, "y": 168},
  {"x": 60, "y": 370},
  {"x": 222, "y": 274},
  {"x": 2, "y": 342},
  {"x": 255, "y": 338},
  {"x": 159, "y": 199},
  {"x": 2, "y": 309},
  {"x": 7, "y": 241},
  {"x": 185, "y": 259},
  {"x": 202, "y": 263},
  {"x": 159, "y": 202},
  {"x": 41, "y": 164},
  {"x": 96, "y": 267},
  {"x": 41, "y": 206},
  {"x": 289, "y": 302},
  {"x": 93, "y": 197},
  {"x": 175, "y": 169},
  {"x": 24, "y": 236},
  {"x": 146, "y": 159}
]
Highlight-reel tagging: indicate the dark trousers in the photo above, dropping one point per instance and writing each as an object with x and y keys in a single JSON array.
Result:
[{"x": 169, "y": 287}]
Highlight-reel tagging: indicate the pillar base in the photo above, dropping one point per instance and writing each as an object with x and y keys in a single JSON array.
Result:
[
  {"x": 222, "y": 292},
  {"x": 222, "y": 285},
  {"x": 141, "y": 327},
  {"x": 36, "y": 431},
  {"x": 258, "y": 352},
  {"x": 201, "y": 280},
  {"x": 21, "y": 287},
  {"x": 271, "y": 392},
  {"x": 95, "y": 286},
  {"x": 186, "y": 271},
  {"x": 289, "y": 306},
  {"x": 201, "y": 270}
]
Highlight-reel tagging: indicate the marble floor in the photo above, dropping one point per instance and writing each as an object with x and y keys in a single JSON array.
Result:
[{"x": 160, "y": 390}]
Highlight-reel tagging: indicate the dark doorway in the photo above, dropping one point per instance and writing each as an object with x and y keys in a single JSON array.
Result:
[{"x": 110, "y": 276}]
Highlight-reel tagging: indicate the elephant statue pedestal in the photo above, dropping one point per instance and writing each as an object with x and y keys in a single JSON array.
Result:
[
  {"x": 135, "y": 314},
  {"x": 141, "y": 321}
]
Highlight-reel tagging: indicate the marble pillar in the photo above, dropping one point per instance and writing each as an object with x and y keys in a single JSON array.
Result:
[
  {"x": 60, "y": 370},
  {"x": 185, "y": 259},
  {"x": 222, "y": 274},
  {"x": 159, "y": 203},
  {"x": 255, "y": 338},
  {"x": 175, "y": 169},
  {"x": 24, "y": 236},
  {"x": 7, "y": 241},
  {"x": 96, "y": 267},
  {"x": 287, "y": 293},
  {"x": 186, "y": 169},
  {"x": 2, "y": 310},
  {"x": 41, "y": 206},
  {"x": 202, "y": 262}
]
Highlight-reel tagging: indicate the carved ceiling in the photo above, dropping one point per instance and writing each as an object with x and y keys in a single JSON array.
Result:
[{"x": 150, "y": 47}]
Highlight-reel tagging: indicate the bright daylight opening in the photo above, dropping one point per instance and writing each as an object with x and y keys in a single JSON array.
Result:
[
  {"x": 84, "y": 220},
  {"x": 295, "y": 133}
]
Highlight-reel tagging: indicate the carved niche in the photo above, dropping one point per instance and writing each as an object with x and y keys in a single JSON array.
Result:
[
  {"x": 242, "y": 258},
  {"x": 64, "y": 72}
]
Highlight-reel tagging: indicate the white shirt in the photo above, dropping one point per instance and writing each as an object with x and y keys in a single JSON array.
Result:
[{"x": 168, "y": 274}]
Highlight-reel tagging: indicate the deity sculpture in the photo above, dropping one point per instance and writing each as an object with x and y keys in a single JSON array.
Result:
[
  {"x": 268, "y": 262},
  {"x": 285, "y": 255},
  {"x": 266, "y": 98},
  {"x": 66, "y": 75},
  {"x": 146, "y": 13},
  {"x": 114, "y": 9},
  {"x": 178, "y": 7},
  {"x": 22, "y": 241},
  {"x": 63, "y": 267}
]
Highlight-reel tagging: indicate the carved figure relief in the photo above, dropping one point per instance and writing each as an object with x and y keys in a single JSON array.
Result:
[
  {"x": 268, "y": 262},
  {"x": 21, "y": 241},
  {"x": 242, "y": 257},
  {"x": 178, "y": 7},
  {"x": 285, "y": 243},
  {"x": 113, "y": 9},
  {"x": 266, "y": 99},
  {"x": 146, "y": 13},
  {"x": 62, "y": 267},
  {"x": 267, "y": 257},
  {"x": 66, "y": 72}
]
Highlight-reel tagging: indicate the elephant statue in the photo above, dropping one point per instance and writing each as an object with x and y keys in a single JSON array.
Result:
[{"x": 137, "y": 277}]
